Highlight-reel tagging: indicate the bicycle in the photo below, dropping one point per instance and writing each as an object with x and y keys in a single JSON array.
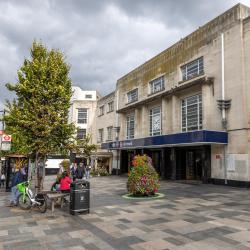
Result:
[{"x": 26, "y": 199}]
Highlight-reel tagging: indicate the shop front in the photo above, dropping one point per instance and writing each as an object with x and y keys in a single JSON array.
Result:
[{"x": 182, "y": 156}]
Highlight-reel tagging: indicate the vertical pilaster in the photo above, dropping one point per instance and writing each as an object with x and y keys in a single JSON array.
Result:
[{"x": 173, "y": 163}]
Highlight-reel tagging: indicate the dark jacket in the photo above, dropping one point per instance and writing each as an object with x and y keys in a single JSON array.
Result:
[{"x": 17, "y": 178}]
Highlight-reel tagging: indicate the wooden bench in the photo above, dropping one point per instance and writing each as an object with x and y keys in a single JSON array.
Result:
[{"x": 54, "y": 196}]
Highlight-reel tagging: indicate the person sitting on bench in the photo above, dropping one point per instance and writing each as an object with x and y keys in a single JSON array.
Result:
[{"x": 65, "y": 183}]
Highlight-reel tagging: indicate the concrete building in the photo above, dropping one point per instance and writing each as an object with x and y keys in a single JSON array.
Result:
[
  {"x": 83, "y": 111},
  {"x": 188, "y": 107},
  {"x": 105, "y": 129}
]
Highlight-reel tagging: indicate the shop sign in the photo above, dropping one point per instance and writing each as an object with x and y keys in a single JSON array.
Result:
[
  {"x": 6, "y": 138},
  {"x": 6, "y": 146}
]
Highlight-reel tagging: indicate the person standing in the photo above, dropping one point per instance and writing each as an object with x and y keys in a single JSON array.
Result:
[
  {"x": 74, "y": 171},
  {"x": 2, "y": 179},
  {"x": 87, "y": 171},
  {"x": 17, "y": 178}
]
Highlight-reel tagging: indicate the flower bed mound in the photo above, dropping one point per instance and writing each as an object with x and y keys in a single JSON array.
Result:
[{"x": 143, "y": 180}]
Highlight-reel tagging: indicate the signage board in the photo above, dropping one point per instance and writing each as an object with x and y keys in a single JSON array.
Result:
[
  {"x": 6, "y": 138},
  {"x": 6, "y": 146}
]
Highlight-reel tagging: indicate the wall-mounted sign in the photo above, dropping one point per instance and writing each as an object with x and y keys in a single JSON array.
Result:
[
  {"x": 6, "y": 138},
  {"x": 6, "y": 146}
]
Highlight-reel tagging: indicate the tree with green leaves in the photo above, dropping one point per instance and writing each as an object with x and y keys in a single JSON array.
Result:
[{"x": 38, "y": 117}]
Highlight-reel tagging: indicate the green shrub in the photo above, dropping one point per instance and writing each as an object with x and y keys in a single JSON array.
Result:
[
  {"x": 143, "y": 180},
  {"x": 100, "y": 171}
]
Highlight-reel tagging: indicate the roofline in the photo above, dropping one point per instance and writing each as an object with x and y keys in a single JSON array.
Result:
[{"x": 237, "y": 6}]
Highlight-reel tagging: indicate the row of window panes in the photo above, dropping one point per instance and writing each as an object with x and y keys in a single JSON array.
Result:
[
  {"x": 191, "y": 117},
  {"x": 132, "y": 95},
  {"x": 192, "y": 69},
  {"x": 189, "y": 71},
  {"x": 110, "y": 108},
  {"x": 192, "y": 113},
  {"x": 130, "y": 126},
  {"x": 157, "y": 85},
  {"x": 82, "y": 116},
  {"x": 109, "y": 133},
  {"x": 155, "y": 121}
]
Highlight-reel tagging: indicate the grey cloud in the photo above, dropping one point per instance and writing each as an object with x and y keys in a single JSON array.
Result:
[{"x": 102, "y": 40}]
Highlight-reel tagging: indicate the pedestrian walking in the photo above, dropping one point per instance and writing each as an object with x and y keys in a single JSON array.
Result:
[
  {"x": 2, "y": 180},
  {"x": 87, "y": 171},
  {"x": 17, "y": 178}
]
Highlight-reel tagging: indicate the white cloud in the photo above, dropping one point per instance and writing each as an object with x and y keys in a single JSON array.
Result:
[{"x": 102, "y": 40}]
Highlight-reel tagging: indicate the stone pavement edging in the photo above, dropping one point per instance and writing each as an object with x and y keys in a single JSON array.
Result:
[{"x": 131, "y": 197}]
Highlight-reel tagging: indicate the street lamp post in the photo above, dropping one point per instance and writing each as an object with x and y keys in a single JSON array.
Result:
[{"x": 3, "y": 125}]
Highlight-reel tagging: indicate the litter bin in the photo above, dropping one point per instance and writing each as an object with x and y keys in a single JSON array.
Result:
[{"x": 79, "y": 197}]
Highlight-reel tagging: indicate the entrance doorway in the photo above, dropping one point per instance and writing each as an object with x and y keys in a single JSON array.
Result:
[{"x": 193, "y": 163}]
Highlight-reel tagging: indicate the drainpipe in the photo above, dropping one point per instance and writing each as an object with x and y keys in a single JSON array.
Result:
[
  {"x": 117, "y": 131},
  {"x": 223, "y": 109}
]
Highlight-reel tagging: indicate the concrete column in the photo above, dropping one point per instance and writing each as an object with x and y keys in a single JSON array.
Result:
[
  {"x": 144, "y": 122},
  {"x": 123, "y": 127},
  {"x": 173, "y": 163},
  {"x": 164, "y": 116},
  {"x": 176, "y": 115},
  {"x": 138, "y": 132}
]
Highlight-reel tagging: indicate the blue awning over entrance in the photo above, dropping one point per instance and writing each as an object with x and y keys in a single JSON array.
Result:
[{"x": 194, "y": 137}]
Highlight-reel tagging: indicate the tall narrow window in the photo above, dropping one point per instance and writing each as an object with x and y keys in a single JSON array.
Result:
[
  {"x": 130, "y": 126},
  {"x": 100, "y": 135},
  {"x": 155, "y": 121},
  {"x": 101, "y": 110},
  {"x": 82, "y": 116},
  {"x": 156, "y": 85},
  {"x": 192, "y": 69},
  {"x": 192, "y": 113},
  {"x": 110, "y": 133},
  {"x": 110, "y": 106},
  {"x": 132, "y": 95},
  {"x": 81, "y": 134}
]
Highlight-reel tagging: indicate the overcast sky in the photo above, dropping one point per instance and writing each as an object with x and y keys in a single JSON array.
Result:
[{"x": 102, "y": 39}]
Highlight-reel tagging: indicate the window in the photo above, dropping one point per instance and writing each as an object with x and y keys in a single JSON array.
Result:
[
  {"x": 100, "y": 135},
  {"x": 192, "y": 69},
  {"x": 110, "y": 106},
  {"x": 156, "y": 85},
  {"x": 101, "y": 110},
  {"x": 81, "y": 134},
  {"x": 88, "y": 96},
  {"x": 132, "y": 95},
  {"x": 155, "y": 121},
  {"x": 192, "y": 113},
  {"x": 82, "y": 116},
  {"x": 110, "y": 133},
  {"x": 130, "y": 126}
]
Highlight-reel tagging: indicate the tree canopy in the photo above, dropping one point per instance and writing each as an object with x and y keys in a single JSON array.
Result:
[{"x": 38, "y": 117}]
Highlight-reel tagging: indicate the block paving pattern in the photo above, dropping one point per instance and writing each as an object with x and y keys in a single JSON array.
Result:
[{"x": 188, "y": 217}]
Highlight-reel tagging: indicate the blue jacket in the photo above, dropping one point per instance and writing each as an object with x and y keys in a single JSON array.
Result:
[{"x": 17, "y": 178}]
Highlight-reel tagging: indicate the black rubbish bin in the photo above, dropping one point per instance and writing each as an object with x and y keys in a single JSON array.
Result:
[{"x": 79, "y": 196}]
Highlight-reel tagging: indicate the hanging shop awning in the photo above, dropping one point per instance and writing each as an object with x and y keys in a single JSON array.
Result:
[{"x": 187, "y": 138}]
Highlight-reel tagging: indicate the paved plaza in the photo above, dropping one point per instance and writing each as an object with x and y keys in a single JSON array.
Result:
[{"x": 188, "y": 217}]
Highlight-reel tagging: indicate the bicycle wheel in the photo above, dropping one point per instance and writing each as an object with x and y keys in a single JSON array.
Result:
[
  {"x": 24, "y": 202},
  {"x": 43, "y": 203}
]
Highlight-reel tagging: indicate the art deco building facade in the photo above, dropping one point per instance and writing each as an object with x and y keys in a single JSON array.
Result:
[{"x": 188, "y": 107}]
